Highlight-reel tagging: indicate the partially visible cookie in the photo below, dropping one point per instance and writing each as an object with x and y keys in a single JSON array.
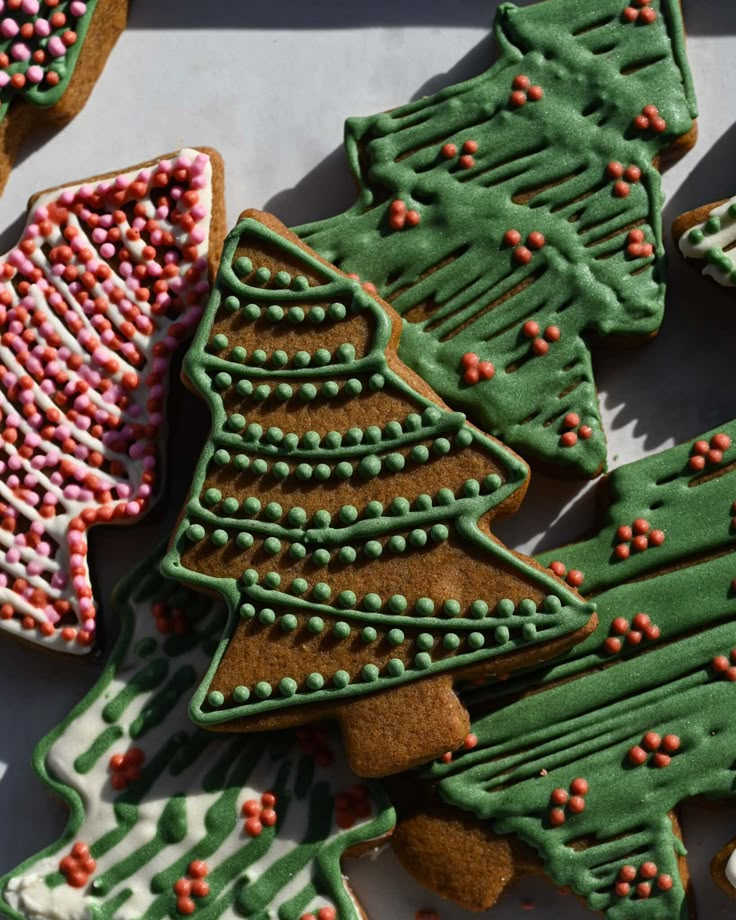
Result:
[
  {"x": 708, "y": 235},
  {"x": 51, "y": 54},
  {"x": 167, "y": 820},
  {"x": 591, "y": 755},
  {"x": 723, "y": 868},
  {"x": 109, "y": 277},
  {"x": 515, "y": 219},
  {"x": 345, "y": 514}
]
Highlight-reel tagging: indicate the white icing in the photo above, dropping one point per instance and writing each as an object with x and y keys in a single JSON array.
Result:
[
  {"x": 719, "y": 241},
  {"x": 29, "y": 895},
  {"x": 36, "y": 901},
  {"x": 731, "y": 869},
  {"x": 52, "y": 577}
]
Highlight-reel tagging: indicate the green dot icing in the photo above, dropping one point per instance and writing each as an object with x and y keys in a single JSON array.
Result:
[
  {"x": 215, "y": 699},
  {"x": 288, "y": 622},
  {"x": 219, "y": 538},
  {"x": 328, "y": 501},
  {"x": 502, "y": 634},
  {"x": 370, "y": 673},
  {"x": 423, "y": 661},
  {"x": 395, "y": 637},
  {"x": 287, "y": 686},
  {"x": 315, "y": 681},
  {"x": 395, "y": 668},
  {"x": 195, "y": 532},
  {"x": 341, "y": 679},
  {"x": 538, "y": 167},
  {"x": 505, "y": 607},
  {"x": 247, "y": 611},
  {"x": 241, "y": 694},
  {"x": 451, "y": 641},
  {"x": 243, "y": 265},
  {"x": 527, "y": 607},
  {"x": 212, "y": 496}
]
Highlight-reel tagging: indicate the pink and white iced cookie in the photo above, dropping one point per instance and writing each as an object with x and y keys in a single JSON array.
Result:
[{"x": 110, "y": 275}]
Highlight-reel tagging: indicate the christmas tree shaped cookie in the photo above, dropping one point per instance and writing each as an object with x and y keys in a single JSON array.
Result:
[
  {"x": 108, "y": 278},
  {"x": 708, "y": 235},
  {"x": 514, "y": 218},
  {"x": 632, "y": 722},
  {"x": 344, "y": 513},
  {"x": 51, "y": 53},
  {"x": 167, "y": 820}
]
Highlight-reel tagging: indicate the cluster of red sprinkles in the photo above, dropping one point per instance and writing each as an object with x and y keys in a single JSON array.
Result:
[
  {"x": 35, "y": 38},
  {"x": 725, "y": 665},
  {"x": 541, "y": 340},
  {"x": 324, "y": 913},
  {"x": 523, "y": 254},
  {"x": 574, "y": 577},
  {"x": 469, "y": 744},
  {"x": 107, "y": 280},
  {"x": 126, "y": 768},
  {"x": 633, "y": 633},
  {"x": 574, "y": 431},
  {"x": 709, "y": 453},
  {"x": 352, "y": 806},
  {"x": 475, "y": 370},
  {"x": 640, "y": 11},
  {"x": 399, "y": 217},
  {"x": 259, "y": 814},
  {"x": 647, "y": 871},
  {"x": 638, "y": 536},
  {"x": 467, "y": 155},
  {"x": 78, "y": 865},
  {"x": 522, "y": 91},
  {"x": 191, "y": 886},
  {"x": 660, "y": 749},
  {"x": 366, "y": 285},
  {"x": 649, "y": 119},
  {"x": 314, "y": 741},
  {"x": 169, "y": 619},
  {"x": 564, "y": 802},
  {"x": 637, "y": 246},
  {"x": 624, "y": 176}
]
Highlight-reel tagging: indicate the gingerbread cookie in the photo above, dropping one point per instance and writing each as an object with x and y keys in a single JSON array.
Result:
[
  {"x": 344, "y": 513},
  {"x": 723, "y": 868},
  {"x": 514, "y": 218},
  {"x": 167, "y": 820},
  {"x": 109, "y": 276},
  {"x": 589, "y": 767},
  {"x": 51, "y": 53},
  {"x": 708, "y": 234}
]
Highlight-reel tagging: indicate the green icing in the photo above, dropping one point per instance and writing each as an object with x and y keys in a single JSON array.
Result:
[
  {"x": 356, "y": 539},
  {"x": 541, "y": 167},
  {"x": 187, "y": 803},
  {"x": 600, "y": 701}
]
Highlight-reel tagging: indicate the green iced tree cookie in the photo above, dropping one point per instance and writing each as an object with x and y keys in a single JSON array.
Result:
[
  {"x": 512, "y": 219},
  {"x": 636, "y": 719},
  {"x": 345, "y": 516},
  {"x": 167, "y": 820}
]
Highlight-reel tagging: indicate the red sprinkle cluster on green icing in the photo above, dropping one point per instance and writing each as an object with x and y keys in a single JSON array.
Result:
[
  {"x": 259, "y": 814},
  {"x": 640, "y": 627},
  {"x": 662, "y": 750},
  {"x": 475, "y": 370},
  {"x": 638, "y": 537},
  {"x": 566, "y": 802},
  {"x": 191, "y": 886},
  {"x": 523, "y": 91},
  {"x": 640, "y": 12},
  {"x": 709, "y": 453}
]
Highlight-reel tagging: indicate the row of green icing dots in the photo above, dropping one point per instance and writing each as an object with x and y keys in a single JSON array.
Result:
[{"x": 483, "y": 632}]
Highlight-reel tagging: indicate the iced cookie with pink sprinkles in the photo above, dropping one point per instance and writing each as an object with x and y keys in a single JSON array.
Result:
[
  {"x": 51, "y": 54},
  {"x": 110, "y": 275},
  {"x": 167, "y": 820}
]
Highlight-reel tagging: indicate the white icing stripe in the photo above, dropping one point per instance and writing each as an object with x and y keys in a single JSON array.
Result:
[
  {"x": 731, "y": 869},
  {"x": 708, "y": 241}
]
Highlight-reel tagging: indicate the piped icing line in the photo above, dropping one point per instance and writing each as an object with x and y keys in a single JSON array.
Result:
[
  {"x": 167, "y": 820},
  {"x": 535, "y": 203},
  {"x": 712, "y": 241},
  {"x": 40, "y": 44},
  {"x": 108, "y": 278},
  {"x": 730, "y": 870},
  {"x": 310, "y": 536},
  {"x": 639, "y": 709}
]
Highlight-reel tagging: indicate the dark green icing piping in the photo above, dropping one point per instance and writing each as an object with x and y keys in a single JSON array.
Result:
[{"x": 539, "y": 167}]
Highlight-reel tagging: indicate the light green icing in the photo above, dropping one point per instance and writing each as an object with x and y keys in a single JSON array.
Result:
[
  {"x": 539, "y": 167},
  {"x": 599, "y": 703},
  {"x": 187, "y": 804},
  {"x": 335, "y": 535}
]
